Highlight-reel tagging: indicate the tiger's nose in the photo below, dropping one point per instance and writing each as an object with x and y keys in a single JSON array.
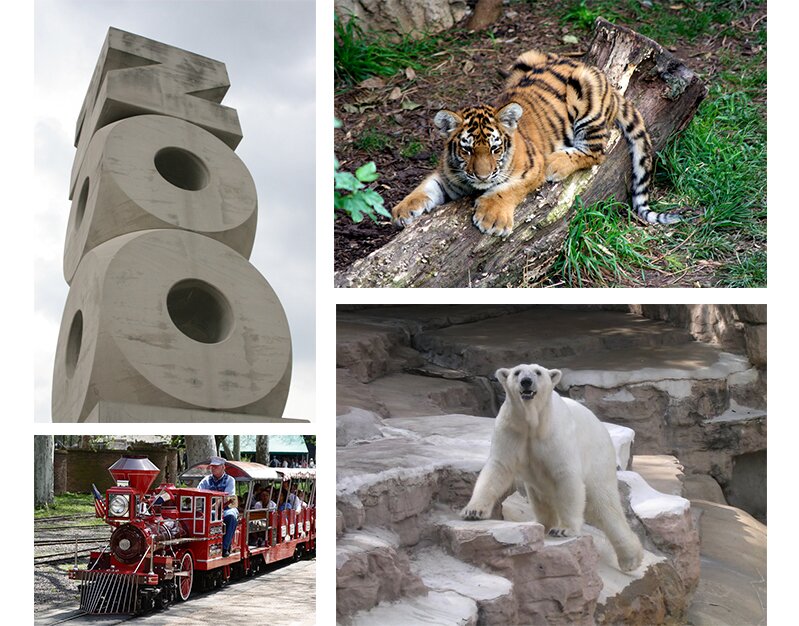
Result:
[{"x": 526, "y": 383}]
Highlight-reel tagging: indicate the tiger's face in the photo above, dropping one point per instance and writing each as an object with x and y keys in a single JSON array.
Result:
[{"x": 480, "y": 142}]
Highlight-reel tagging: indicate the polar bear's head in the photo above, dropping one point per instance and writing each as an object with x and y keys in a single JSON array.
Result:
[{"x": 528, "y": 381}]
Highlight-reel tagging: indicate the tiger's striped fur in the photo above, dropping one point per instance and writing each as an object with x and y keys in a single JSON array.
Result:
[{"x": 553, "y": 118}]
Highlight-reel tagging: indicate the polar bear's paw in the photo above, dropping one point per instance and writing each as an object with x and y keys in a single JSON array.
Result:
[
  {"x": 475, "y": 513},
  {"x": 561, "y": 532},
  {"x": 629, "y": 562}
]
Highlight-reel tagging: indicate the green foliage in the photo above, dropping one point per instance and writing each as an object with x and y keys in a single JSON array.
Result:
[
  {"x": 373, "y": 141},
  {"x": 719, "y": 164},
  {"x": 69, "y": 504},
  {"x": 749, "y": 271},
  {"x": 583, "y": 16},
  {"x": 665, "y": 22},
  {"x": 350, "y": 195},
  {"x": 411, "y": 149},
  {"x": 358, "y": 55},
  {"x": 716, "y": 167},
  {"x": 604, "y": 241}
]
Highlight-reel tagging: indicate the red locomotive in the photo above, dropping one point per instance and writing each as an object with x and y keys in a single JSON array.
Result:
[{"x": 167, "y": 542}]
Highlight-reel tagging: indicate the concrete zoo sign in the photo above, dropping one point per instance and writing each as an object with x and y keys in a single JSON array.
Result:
[{"x": 166, "y": 319}]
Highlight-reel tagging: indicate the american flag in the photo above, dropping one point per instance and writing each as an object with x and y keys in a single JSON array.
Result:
[
  {"x": 99, "y": 502},
  {"x": 162, "y": 498}
]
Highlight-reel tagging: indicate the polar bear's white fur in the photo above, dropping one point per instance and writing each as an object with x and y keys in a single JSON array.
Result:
[{"x": 564, "y": 456}]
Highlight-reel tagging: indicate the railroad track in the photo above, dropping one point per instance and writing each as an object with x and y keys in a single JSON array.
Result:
[
  {"x": 61, "y": 557},
  {"x": 67, "y": 532}
]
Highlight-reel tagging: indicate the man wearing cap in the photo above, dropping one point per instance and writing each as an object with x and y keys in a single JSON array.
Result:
[{"x": 219, "y": 480}]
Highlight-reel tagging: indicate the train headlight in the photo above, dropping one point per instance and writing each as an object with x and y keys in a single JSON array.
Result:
[
  {"x": 119, "y": 505},
  {"x": 128, "y": 543}
]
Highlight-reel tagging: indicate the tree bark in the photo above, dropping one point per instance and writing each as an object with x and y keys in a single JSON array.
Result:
[
  {"x": 43, "y": 451},
  {"x": 199, "y": 448},
  {"x": 444, "y": 249},
  {"x": 262, "y": 449},
  {"x": 485, "y": 13}
]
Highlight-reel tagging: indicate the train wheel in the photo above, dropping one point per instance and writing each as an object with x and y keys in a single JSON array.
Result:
[{"x": 186, "y": 579}]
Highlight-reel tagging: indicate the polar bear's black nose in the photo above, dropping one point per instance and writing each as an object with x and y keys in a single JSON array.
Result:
[{"x": 526, "y": 383}]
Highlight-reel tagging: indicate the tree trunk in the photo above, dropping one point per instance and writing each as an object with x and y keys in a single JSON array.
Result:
[
  {"x": 199, "y": 448},
  {"x": 262, "y": 449},
  {"x": 237, "y": 447},
  {"x": 226, "y": 449},
  {"x": 444, "y": 249},
  {"x": 43, "y": 451},
  {"x": 485, "y": 13}
]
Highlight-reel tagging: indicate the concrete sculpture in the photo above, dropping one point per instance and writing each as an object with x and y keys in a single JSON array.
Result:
[{"x": 166, "y": 319}]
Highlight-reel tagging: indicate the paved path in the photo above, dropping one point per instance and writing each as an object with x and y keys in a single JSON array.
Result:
[
  {"x": 285, "y": 596},
  {"x": 732, "y": 585}
]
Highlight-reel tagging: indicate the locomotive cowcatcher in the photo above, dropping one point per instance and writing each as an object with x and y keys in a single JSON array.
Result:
[{"x": 167, "y": 541}]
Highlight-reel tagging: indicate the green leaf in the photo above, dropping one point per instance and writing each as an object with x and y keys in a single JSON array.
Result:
[
  {"x": 367, "y": 172},
  {"x": 347, "y": 182},
  {"x": 375, "y": 201},
  {"x": 356, "y": 207}
]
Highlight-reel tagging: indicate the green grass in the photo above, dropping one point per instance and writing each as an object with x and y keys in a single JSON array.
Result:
[
  {"x": 411, "y": 149},
  {"x": 661, "y": 22},
  {"x": 583, "y": 16},
  {"x": 359, "y": 54},
  {"x": 716, "y": 167},
  {"x": 603, "y": 241},
  {"x": 719, "y": 165},
  {"x": 373, "y": 141},
  {"x": 67, "y": 504}
]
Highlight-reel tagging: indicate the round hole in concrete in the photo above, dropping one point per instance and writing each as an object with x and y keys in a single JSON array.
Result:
[
  {"x": 74, "y": 339},
  {"x": 200, "y": 311},
  {"x": 181, "y": 168},
  {"x": 80, "y": 209}
]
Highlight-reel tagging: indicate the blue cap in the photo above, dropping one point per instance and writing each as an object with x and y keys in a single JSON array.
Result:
[{"x": 216, "y": 460}]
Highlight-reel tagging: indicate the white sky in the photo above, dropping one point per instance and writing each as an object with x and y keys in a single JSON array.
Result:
[{"x": 268, "y": 48}]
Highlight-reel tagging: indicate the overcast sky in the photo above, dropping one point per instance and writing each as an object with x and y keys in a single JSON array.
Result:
[{"x": 268, "y": 47}]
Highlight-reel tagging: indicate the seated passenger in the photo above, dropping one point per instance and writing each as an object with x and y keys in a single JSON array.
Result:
[
  {"x": 265, "y": 502},
  {"x": 219, "y": 480}
]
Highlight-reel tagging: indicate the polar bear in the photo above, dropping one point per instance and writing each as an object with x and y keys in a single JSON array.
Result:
[{"x": 563, "y": 455}]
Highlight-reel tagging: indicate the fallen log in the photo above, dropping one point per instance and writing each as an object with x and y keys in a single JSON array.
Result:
[{"x": 444, "y": 249}]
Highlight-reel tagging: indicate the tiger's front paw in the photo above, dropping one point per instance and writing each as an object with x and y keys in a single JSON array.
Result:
[
  {"x": 492, "y": 217},
  {"x": 409, "y": 209},
  {"x": 559, "y": 168}
]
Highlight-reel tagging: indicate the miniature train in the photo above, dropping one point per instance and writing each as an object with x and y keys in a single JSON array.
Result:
[{"x": 167, "y": 542}]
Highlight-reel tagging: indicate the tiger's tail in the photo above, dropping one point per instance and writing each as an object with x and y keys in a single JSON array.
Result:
[{"x": 642, "y": 155}]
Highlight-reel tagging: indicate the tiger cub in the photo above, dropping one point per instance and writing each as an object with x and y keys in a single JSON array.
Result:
[{"x": 552, "y": 119}]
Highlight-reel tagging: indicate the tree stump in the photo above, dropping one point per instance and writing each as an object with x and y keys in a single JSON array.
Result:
[
  {"x": 485, "y": 13},
  {"x": 444, "y": 249}
]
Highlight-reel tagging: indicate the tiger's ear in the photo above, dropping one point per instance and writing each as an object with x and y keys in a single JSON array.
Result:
[
  {"x": 509, "y": 115},
  {"x": 446, "y": 122}
]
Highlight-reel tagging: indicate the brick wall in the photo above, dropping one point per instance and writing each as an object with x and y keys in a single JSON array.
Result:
[{"x": 76, "y": 470}]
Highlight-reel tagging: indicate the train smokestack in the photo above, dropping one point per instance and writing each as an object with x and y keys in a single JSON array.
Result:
[{"x": 138, "y": 470}]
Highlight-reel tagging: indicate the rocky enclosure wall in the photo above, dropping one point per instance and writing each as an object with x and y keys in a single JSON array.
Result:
[
  {"x": 405, "y": 556},
  {"x": 690, "y": 399},
  {"x": 734, "y": 327},
  {"x": 402, "y": 17}
]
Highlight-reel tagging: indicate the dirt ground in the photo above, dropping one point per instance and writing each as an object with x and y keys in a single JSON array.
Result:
[{"x": 402, "y": 107}]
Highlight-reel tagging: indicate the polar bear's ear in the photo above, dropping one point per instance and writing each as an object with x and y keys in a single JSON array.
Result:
[
  {"x": 555, "y": 375},
  {"x": 502, "y": 375}
]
